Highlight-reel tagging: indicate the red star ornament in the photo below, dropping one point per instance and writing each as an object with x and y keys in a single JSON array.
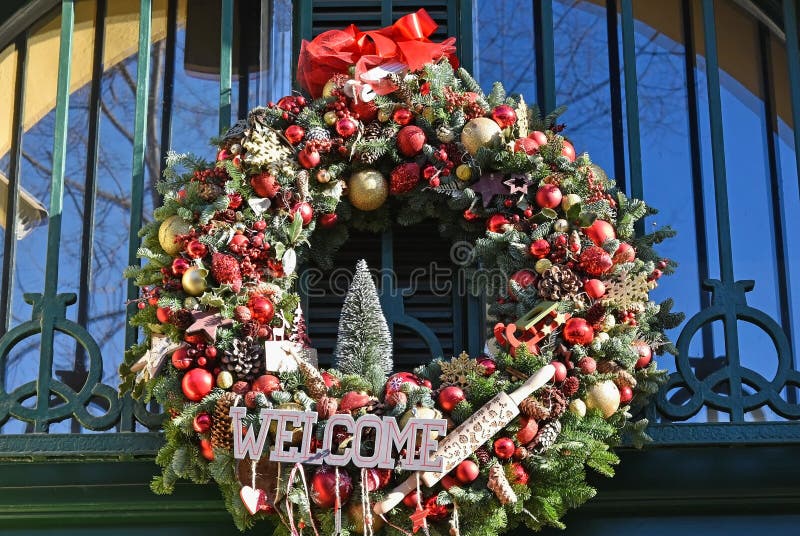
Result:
[{"x": 419, "y": 518}]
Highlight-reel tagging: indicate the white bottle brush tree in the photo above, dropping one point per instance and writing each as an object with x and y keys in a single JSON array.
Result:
[{"x": 364, "y": 345}]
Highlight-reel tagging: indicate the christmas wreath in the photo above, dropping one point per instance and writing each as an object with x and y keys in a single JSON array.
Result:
[{"x": 392, "y": 131}]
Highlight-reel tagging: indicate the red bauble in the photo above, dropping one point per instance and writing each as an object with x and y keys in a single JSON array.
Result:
[
  {"x": 396, "y": 381},
  {"x": 448, "y": 481},
  {"x": 201, "y": 422},
  {"x": 594, "y": 288},
  {"x": 180, "y": 359},
  {"x": 625, "y": 394},
  {"x": 449, "y": 397},
  {"x": 526, "y": 145},
  {"x": 180, "y": 265},
  {"x": 469, "y": 215},
  {"x": 548, "y": 196},
  {"x": 504, "y": 115},
  {"x": 328, "y": 220},
  {"x": 305, "y": 210},
  {"x": 196, "y": 384},
  {"x": 404, "y": 177},
  {"x": 561, "y": 371},
  {"x": 568, "y": 150},
  {"x": 519, "y": 474},
  {"x": 595, "y": 261},
  {"x": 377, "y": 478},
  {"x": 295, "y": 134},
  {"x": 540, "y": 248},
  {"x": 163, "y": 314},
  {"x": 496, "y": 223},
  {"x": 587, "y": 365},
  {"x": 206, "y": 450},
  {"x": 267, "y": 384},
  {"x": 504, "y": 448},
  {"x": 261, "y": 309},
  {"x": 196, "y": 249},
  {"x": 528, "y": 428},
  {"x": 308, "y": 159},
  {"x": 539, "y": 137},
  {"x": 411, "y": 500},
  {"x": 578, "y": 331},
  {"x": 625, "y": 253},
  {"x": 600, "y": 231},
  {"x": 489, "y": 365},
  {"x": 265, "y": 185},
  {"x": 645, "y": 353},
  {"x": 467, "y": 471},
  {"x": 367, "y": 111},
  {"x": 410, "y": 140},
  {"x": 323, "y": 487},
  {"x": 402, "y": 116},
  {"x": 524, "y": 278},
  {"x": 346, "y": 127}
]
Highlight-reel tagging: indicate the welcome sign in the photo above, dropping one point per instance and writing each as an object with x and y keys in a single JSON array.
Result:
[{"x": 416, "y": 440}]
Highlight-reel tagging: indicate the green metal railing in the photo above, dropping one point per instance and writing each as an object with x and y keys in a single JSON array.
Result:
[{"x": 727, "y": 300}]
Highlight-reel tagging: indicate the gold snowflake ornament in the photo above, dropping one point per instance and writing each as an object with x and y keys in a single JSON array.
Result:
[
  {"x": 455, "y": 371},
  {"x": 627, "y": 291},
  {"x": 266, "y": 149}
]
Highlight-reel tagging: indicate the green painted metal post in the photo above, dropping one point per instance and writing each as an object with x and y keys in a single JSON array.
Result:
[
  {"x": 790, "y": 28},
  {"x": 225, "y": 65},
  {"x": 545, "y": 54},
  {"x": 721, "y": 194},
  {"x": 56, "y": 206},
  {"x": 632, "y": 104}
]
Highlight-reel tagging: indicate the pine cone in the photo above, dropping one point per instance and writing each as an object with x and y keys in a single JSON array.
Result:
[
  {"x": 554, "y": 400},
  {"x": 534, "y": 409},
  {"x": 181, "y": 319},
  {"x": 559, "y": 283},
  {"x": 483, "y": 455},
  {"x": 547, "y": 436},
  {"x": 209, "y": 191},
  {"x": 368, "y": 157},
  {"x": 314, "y": 383},
  {"x": 608, "y": 367},
  {"x": 318, "y": 134},
  {"x": 445, "y": 134},
  {"x": 246, "y": 360},
  {"x": 403, "y": 93},
  {"x": 221, "y": 431},
  {"x": 373, "y": 131},
  {"x": 499, "y": 484},
  {"x": 595, "y": 314},
  {"x": 570, "y": 386},
  {"x": 625, "y": 379}
]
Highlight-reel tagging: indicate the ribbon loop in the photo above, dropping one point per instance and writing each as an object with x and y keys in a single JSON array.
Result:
[{"x": 406, "y": 43}]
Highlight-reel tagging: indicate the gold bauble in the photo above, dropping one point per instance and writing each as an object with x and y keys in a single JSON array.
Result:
[
  {"x": 480, "y": 132},
  {"x": 578, "y": 407},
  {"x": 330, "y": 118},
  {"x": 297, "y": 432},
  {"x": 542, "y": 265},
  {"x": 384, "y": 115},
  {"x": 171, "y": 228},
  {"x": 194, "y": 281},
  {"x": 421, "y": 413},
  {"x": 327, "y": 89},
  {"x": 367, "y": 189},
  {"x": 429, "y": 114},
  {"x": 356, "y": 514},
  {"x": 603, "y": 396},
  {"x": 464, "y": 172},
  {"x": 224, "y": 379}
]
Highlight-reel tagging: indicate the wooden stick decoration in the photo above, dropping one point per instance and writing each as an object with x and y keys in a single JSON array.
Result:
[{"x": 471, "y": 434}]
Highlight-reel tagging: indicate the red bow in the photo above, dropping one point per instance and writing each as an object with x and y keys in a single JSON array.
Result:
[{"x": 401, "y": 46}]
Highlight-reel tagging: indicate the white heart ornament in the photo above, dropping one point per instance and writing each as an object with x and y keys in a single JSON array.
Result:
[
  {"x": 253, "y": 499},
  {"x": 259, "y": 204}
]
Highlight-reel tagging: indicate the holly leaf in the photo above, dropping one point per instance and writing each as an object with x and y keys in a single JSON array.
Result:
[
  {"x": 574, "y": 212},
  {"x": 295, "y": 228}
]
